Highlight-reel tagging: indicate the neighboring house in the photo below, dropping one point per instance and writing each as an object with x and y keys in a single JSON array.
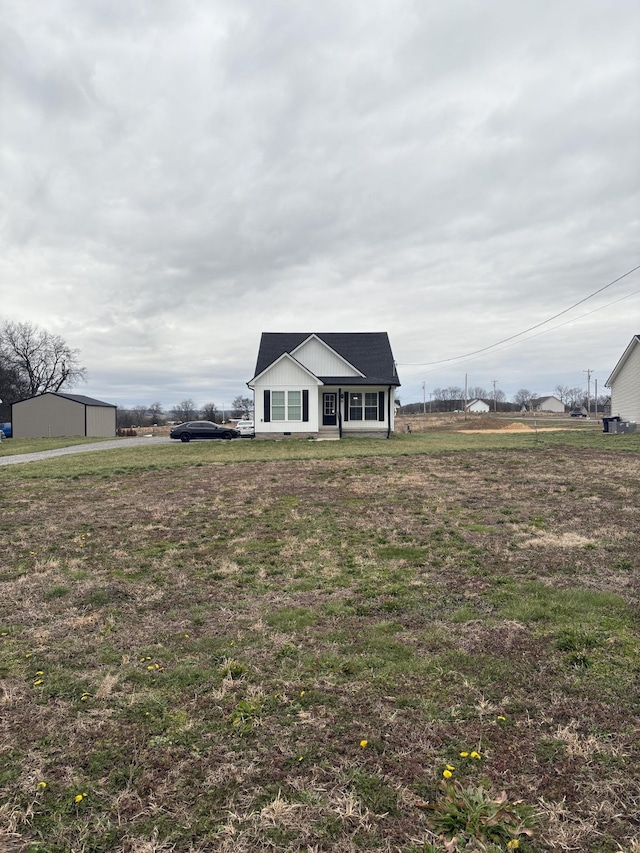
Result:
[
  {"x": 549, "y": 404},
  {"x": 57, "y": 414},
  {"x": 328, "y": 384},
  {"x": 624, "y": 383},
  {"x": 478, "y": 406}
]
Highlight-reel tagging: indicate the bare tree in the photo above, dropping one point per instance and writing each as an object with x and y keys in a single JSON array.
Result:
[
  {"x": 524, "y": 397},
  {"x": 125, "y": 418},
  {"x": 242, "y": 406},
  {"x": 210, "y": 412},
  {"x": 562, "y": 392},
  {"x": 12, "y": 388},
  {"x": 139, "y": 415},
  {"x": 42, "y": 361},
  {"x": 185, "y": 411},
  {"x": 155, "y": 412},
  {"x": 477, "y": 392},
  {"x": 576, "y": 396}
]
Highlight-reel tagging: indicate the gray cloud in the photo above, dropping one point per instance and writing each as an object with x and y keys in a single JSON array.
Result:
[{"x": 178, "y": 177}]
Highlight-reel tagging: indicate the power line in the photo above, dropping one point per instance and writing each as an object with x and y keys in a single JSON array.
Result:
[
  {"x": 566, "y": 322},
  {"x": 524, "y": 332}
]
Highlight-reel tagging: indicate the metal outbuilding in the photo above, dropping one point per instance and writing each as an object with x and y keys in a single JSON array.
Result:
[{"x": 56, "y": 414}]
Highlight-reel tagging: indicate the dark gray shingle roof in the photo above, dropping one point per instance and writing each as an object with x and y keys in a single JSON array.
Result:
[
  {"x": 77, "y": 398},
  {"x": 369, "y": 352}
]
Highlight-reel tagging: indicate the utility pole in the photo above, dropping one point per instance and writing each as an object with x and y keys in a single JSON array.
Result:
[
  {"x": 589, "y": 371},
  {"x": 596, "y": 400},
  {"x": 465, "y": 396},
  {"x": 495, "y": 401},
  {"x": 424, "y": 400}
]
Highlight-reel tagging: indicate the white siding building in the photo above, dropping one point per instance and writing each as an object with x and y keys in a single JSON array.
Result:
[
  {"x": 624, "y": 383},
  {"x": 324, "y": 384}
]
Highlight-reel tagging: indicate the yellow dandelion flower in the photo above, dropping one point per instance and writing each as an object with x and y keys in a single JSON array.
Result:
[
  {"x": 187, "y": 636},
  {"x": 502, "y": 719},
  {"x": 464, "y": 755},
  {"x": 42, "y": 785},
  {"x": 40, "y": 672},
  {"x": 450, "y": 767},
  {"x": 447, "y": 774},
  {"x": 150, "y": 667},
  {"x": 363, "y": 743},
  {"x": 475, "y": 754},
  {"x": 302, "y": 692},
  {"x": 301, "y": 758},
  {"x": 38, "y": 682},
  {"x": 28, "y": 655},
  {"x": 513, "y": 844},
  {"x": 78, "y": 798}
]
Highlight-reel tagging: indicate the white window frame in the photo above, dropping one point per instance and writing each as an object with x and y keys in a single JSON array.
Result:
[
  {"x": 286, "y": 406},
  {"x": 369, "y": 406}
]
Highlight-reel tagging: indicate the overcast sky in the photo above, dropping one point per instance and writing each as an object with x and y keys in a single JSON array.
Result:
[{"x": 178, "y": 176}]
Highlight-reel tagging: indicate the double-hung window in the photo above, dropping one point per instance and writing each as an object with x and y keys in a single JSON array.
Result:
[
  {"x": 277, "y": 406},
  {"x": 294, "y": 405},
  {"x": 371, "y": 406},
  {"x": 363, "y": 407},
  {"x": 286, "y": 405}
]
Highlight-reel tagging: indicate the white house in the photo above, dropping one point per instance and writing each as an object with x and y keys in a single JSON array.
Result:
[
  {"x": 549, "y": 404},
  {"x": 478, "y": 406},
  {"x": 324, "y": 384},
  {"x": 624, "y": 383}
]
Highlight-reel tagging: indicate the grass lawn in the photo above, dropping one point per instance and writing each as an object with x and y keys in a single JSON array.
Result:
[{"x": 323, "y": 646}]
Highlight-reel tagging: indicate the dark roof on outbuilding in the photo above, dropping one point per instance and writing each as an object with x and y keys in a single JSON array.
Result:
[
  {"x": 368, "y": 352},
  {"x": 76, "y": 398}
]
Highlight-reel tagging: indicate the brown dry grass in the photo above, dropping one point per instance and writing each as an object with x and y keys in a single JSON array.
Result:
[{"x": 238, "y": 629}]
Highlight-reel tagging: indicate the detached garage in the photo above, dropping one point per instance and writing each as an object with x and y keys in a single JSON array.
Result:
[{"x": 55, "y": 414}]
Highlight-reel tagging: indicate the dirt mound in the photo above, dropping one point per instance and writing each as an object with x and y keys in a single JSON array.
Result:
[{"x": 516, "y": 427}]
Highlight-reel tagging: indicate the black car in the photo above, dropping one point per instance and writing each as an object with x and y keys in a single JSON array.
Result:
[
  {"x": 578, "y": 414},
  {"x": 202, "y": 429}
]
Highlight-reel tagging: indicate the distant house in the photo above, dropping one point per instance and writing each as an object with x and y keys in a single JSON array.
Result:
[
  {"x": 324, "y": 384},
  {"x": 624, "y": 383},
  {"x": 478, "y": 406},
  {"x": 549, "y": 404},
  {"x": 55, "y": 414}
]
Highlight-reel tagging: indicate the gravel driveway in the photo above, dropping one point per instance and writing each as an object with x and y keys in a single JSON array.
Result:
[{"x": 79, "y": 448}]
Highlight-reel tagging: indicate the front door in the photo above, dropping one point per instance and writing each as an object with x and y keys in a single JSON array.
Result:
[{"x": 329, "y": 417}]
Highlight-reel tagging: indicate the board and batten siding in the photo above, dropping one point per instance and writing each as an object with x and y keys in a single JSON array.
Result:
[
  {"x": 286, "y": 375},
  {"x": 321, "y": 361},
  {"x": 625, "y": 388}
]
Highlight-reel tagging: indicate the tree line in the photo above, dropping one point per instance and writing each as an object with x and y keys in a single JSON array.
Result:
[
  {"x": 186, "y": 410},
  {"x": 452, "y": 398}
]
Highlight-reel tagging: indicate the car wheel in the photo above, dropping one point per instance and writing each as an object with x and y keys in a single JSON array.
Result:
[
  {"x": 226, "y": 435},
  {"x": 184, "y": 436}
]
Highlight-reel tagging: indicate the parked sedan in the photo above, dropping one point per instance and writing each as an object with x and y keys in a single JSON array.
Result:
[
  {"x": 246, "y": 429},
  {"x": 202, "y": 429}
]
